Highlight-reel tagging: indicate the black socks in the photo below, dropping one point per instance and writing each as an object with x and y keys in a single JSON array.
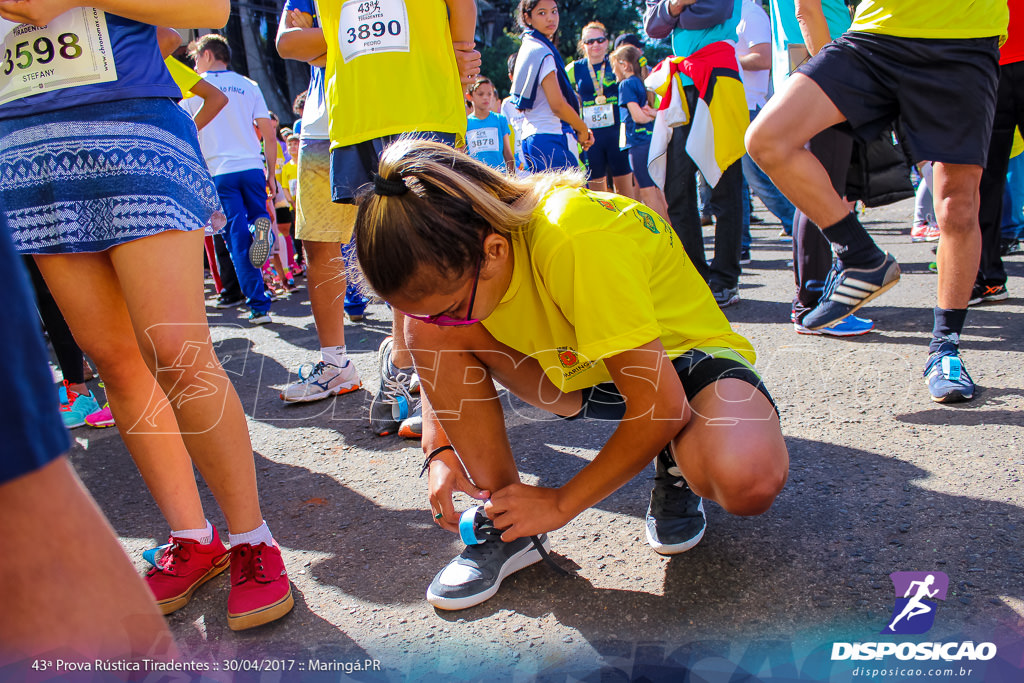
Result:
[
  {"x": 852, "y": 244},
  {"x": 949, "y": 323}
]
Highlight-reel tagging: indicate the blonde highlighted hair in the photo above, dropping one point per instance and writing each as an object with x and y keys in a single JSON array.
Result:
[
  {"x": 452, "y": 202},
  {"x": 580, "y": 45}
]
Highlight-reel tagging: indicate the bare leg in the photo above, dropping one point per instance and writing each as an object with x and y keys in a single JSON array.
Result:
[
  {"x": 655, "y": 198},
  {"x": 325, "y": 280},
  {"x": 624, "y": 185},
  {"x": 100, "y": 610},
  {"x": 598, "y": 184},
  {"x": 957, "y": 200}
]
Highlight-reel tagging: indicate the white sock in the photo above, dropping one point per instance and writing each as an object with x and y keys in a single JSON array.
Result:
[
  {"x": 203, "y": 536},
  {"x": 260, "y": 534},
  {"x": 335, "y": 355}
]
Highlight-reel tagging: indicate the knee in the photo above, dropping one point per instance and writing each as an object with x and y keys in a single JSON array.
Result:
[
  {"x": 957, "y": 214},
  {"x": 765, "y": 146},
  {"x": 752, "y": 488}
]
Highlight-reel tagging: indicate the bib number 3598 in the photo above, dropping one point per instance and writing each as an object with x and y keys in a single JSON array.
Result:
[
  {"x": 73, "y": 49},
  {"x": 369, "y": 26}
]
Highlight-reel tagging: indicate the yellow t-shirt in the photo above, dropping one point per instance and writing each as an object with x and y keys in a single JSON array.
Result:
[
  {"x": 596, "y": 274},
  {"x": 391, "y": 70},
  {"x": 286, "y": 173},
  {"x": 933, "y": 18},
  {"x": 184, "y": 77}
]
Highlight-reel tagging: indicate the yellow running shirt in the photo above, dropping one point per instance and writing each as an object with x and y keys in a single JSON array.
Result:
[
  {"x": 390, "y": 69},
  {"x": 596, "y": 274},
  {"x": 184, "y": 77},
  {"x": 933, "y": 18}
]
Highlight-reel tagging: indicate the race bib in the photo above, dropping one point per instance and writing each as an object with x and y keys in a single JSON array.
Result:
[
  {"x": 73, "y": 49},
  {"x": 482, "y": 140},
  {"x": 373, "y": 26},
  {"x": 599, "y": 116}
]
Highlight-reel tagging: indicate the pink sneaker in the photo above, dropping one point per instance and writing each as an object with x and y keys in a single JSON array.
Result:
[
  {"x": 924, "y": 232},
  {"x": 260, "y": 590},
  {"x": 184, "y": 567},
  {"x": 101, "y": 418}
]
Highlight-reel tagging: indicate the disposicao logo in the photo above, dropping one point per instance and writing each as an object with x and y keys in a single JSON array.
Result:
[
  {"x": 916, "y": 592},
  {"x": 914, "y": 613}
]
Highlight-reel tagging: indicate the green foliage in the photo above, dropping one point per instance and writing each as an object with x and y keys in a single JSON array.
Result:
[{"x": 619, "y": 16}]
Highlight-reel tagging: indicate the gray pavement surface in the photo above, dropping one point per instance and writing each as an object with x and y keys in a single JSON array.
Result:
[{"x": 881, "y": 480}]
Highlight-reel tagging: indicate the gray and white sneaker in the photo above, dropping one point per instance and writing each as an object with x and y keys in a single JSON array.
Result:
[
  {"x": 393, "y": 403},
  {"x": 476, "y": 574},
  {"x": 322, "y": 380},
  {"x": 262, "y": 242},
  {"x": 675, "y": 517}
]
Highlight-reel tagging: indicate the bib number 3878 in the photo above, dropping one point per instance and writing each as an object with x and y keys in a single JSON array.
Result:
[
  {"x": 73, "y": 49},
  {"x": 369, "y": 26}
]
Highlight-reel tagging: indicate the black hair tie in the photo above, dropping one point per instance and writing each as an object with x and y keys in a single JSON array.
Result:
[{"x": 389, "y": 188}]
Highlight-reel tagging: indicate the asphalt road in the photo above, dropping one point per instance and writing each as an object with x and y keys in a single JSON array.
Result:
[{"x": 882, "y": 480}]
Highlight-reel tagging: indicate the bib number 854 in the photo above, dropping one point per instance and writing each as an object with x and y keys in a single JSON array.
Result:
[
  {"x": 43, "y": 51},
  {"x": 377, "y": 29}
]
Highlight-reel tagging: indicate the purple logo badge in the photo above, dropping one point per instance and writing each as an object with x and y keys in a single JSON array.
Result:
[{"x": 916, "y": 595}]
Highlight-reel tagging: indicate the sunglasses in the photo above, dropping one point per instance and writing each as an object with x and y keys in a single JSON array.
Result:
[
  {"x": 445, "y": 320},
  {"x": 591, "y": 41}
]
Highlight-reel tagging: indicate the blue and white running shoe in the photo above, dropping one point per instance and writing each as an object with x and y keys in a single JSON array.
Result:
[
  {"x": 847, "y": 289},
  {"x": 850, "y": 326},
  {"x": 946, "y": 375}
]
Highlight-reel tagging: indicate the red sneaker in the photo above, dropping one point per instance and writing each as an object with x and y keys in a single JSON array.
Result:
[
  {"x": 184, "y": 567},
  {"x": 260, "y": 590},
  {"x": 924, "y": 232}
]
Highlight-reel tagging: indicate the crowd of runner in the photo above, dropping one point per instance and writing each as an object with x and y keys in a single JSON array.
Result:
[{"x": 540, "y": 240}]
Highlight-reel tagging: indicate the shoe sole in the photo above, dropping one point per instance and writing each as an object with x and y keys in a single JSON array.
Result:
[
  {"x": 674, "y": 548},
  {"x": 407, "y": 433},
  {"x": 324, "y": 394},
  {"x": 261, "y": 321},
  {"x": 259, "y": 250},
  {"x": 100, "y": 425},
  {"x": 263, "y": 615},
  {"x": 989, "y": 299},
  {"x": 731, "y": 302},
  {"x": 955, "y": 397},
  {"x": 526, "y": 557},
  {"x": 870, "y": 297},
  {"x": 169, "y": 605},
  {"x": 823, "y": 333}
]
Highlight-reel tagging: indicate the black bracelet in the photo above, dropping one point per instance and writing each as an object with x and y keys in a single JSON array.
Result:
[{"x": 435, "y": 452}]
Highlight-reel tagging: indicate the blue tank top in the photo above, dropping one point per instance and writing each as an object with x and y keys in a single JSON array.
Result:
[{"x": 85, "y": 56}]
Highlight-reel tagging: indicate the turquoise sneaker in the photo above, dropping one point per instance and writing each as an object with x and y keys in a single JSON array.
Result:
[{"x": 78, "y": 407}]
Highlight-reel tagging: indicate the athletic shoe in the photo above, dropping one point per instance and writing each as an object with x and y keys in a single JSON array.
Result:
[
  {"x": 727, "y": 296},
  {"x": 101, "y": 418},
  {"x": 745, "y": 257},
  {"x": 476, "y": 574},
  {"x": 946, "y": 375},
  {"x": 260, "y": 317},
  {"x": 323, "y": 379},
  {"x": 229, "y": 302},
  {"x": 412, "y": 426},
  {"x": 1010, "y": 247},
  {"x": 184, "y": 566},
  {"x": 706, "y": 219},
  {"x": 78, "y": 406},
  {"x": 262, "y": 240},
  {"x": 393, "y": 403},
  {"x": 675, "y": 517},
  {"x": 847, "y": 289},
  {"x": 62, "y": 395},
  {"x": 982, "y": 293},
  {"x": 260, "y": 590},
  {"x": 850, "y": 326},
  {"x": 924, "y": 232}
]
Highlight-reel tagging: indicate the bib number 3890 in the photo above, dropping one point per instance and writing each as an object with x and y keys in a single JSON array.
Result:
[
  {"x": 369, "y": 26},
  {"x": 73, "y": 49}
]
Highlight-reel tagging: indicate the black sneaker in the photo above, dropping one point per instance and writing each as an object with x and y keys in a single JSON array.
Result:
[
  {"x": 982, "y": 293},
  {"x": 847, "y": 289},
  {"x": 229, "y": 302},
  {"x": 675, "y": 518},
  {"x": 476, "y": 574}
]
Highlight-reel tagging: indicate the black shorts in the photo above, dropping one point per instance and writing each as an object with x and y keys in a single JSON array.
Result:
[
  {"x": 354, "y": 165},
  {"x": 697, "y": 370},
  {"x": 605, "y": 155},
  {"x": 944, "y": 91},
  {"x": 284, "y": 215}
]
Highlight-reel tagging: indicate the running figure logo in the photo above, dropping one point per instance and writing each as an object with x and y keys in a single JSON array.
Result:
[{"x": 914, "y": 611}]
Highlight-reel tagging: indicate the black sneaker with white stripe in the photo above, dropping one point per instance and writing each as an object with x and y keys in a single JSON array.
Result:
[
  {"x": 675, "y": 517},
  {"x": 847, "y": 289}
]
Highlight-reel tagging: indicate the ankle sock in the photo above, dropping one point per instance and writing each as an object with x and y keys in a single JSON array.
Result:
[
  {"x": 260, "y": 534},
  {"x": 949, "y": 324},
  {"x": 852, "y": 244},
  {"x": 202, "y": 536},
  {"x": 335, "y": 355}
]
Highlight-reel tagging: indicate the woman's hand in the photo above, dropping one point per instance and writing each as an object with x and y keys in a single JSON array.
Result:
[
  {"x": 586, "y": 138},
  {"x": 446, "y": 476},
  {"x": 523, "y": 510},
  {"x": 468, "y": 60},
  {"x": 298, "y": 19},
  {"x": 35, "y": 12}
]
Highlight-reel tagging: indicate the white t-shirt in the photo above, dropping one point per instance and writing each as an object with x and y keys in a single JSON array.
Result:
[
  {"x": 754, "y": 28},
  {"x": 229, "y": 142},
  {"x": 541, "y": 119},
  {"x": 515, "y": 119},
  {"x": 314, "y": 115}
]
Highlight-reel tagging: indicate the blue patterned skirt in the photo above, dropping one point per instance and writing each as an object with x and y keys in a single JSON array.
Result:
[{"x": 90, "y": 177}]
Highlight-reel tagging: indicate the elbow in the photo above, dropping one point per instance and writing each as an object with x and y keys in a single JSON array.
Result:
[{"x": 217, "y": 14}]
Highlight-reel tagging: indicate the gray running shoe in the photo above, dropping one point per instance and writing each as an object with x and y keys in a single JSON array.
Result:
[
  {"x": 476, "y": 574},
  {"x": 392, "y": 404},
  {"x": 262, "y": 240},
  {"x": 675, "y": 518}
]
